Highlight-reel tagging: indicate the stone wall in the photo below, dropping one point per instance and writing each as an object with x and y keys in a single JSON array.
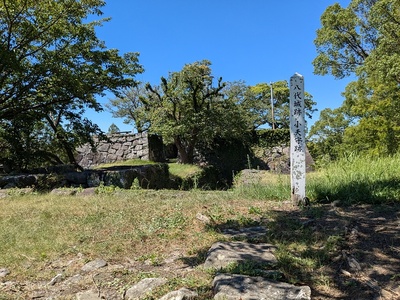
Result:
[
  {"x": 154, "y": 176},
  {"x": 277, "y": 159},
  {"x": 122, "y": 147}
]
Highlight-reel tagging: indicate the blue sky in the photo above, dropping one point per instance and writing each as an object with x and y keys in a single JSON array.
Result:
[{"x": 253, "y": 40}]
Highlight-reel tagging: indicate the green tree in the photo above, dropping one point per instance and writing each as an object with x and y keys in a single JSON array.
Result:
[
  {"x": 53, "y": 66},
  {"x": 345, "y": 39},
  {"x": 259, "y": 102},
  {"x": 256, "y": 102},
  {"x": 326, "y": 135},
  {"x": 21, "y": 140},
  {"x": 129, "y": 105},
  {"x": 377, "y": 109},
  {"x": 188, "y": 110},
  {"x": 113, "y": 129},
  {"x": 363, "y": 40}
]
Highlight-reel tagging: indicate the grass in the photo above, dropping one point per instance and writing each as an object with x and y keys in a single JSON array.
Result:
[
  {"x": 356, "y": 179},
  {"x": 269, "y": 186},
  {"x": 144, "y": 225},
  {"x": 148, "y": 225},
  {"x": 351, "y": 180},
  {"x": 130, "y": 162},
  {"x": 183, "y": 170},
  {"x": 36, "y": 227}
]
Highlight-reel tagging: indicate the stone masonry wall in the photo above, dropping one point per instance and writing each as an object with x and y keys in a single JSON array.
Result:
[{"x": 121, "y": 147}]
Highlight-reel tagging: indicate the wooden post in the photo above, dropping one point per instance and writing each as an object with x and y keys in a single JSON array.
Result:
[{"x": 297, "y": 140}]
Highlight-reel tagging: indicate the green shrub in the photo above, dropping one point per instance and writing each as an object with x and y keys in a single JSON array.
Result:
[{"x": 271, "y": 138}]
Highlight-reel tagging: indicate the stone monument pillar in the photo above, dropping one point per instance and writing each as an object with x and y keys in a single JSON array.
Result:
[{"x": 297, "y": 140}]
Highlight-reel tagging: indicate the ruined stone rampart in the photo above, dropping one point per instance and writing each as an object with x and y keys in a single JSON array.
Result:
[{"x": 121, "y": 147}]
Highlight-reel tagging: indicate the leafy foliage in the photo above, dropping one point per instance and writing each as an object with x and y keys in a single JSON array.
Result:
[
  {"x": 129, "y": 105},
  {"x": 53, "y": 66},
  {"x": 257, "y": 103},
  {"x": 363, "y": 40},
  {"x": 270, "y": 138},
  {"x": 113, "y": 129},
  {"x": 187, "y": 109},
  {"x": 326, "y": 136}
]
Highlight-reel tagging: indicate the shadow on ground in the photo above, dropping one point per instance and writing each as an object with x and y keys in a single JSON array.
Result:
[
  {"x": 357, "y": 191},
  {"x": 340, "y": 252}
]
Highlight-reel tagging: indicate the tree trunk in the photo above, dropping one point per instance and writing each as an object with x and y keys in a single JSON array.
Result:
[
  {"x": 70, "y": 154},
  {"x": 185, "y": 154},
  {"x": 68, "y": 149}
]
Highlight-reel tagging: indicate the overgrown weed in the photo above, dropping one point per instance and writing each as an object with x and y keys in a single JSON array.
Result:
[{"x": 357, "y": 179}]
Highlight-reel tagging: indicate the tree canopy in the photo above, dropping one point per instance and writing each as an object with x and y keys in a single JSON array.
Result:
[
  {"x": 363, "y": 40},
  {"x": 53, "y": 66},
  {"x": 192, "y": 109},
  {"x": 189, "y": 109},
  {"x": 129, "y": 106},
  {"x": 259, "y": 100}
]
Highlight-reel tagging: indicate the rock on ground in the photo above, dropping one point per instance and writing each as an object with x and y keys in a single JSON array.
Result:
[
  {"x": 233, "y": 287},
  {"x": 221, "y": 254},
  {"x": 143, "y": 287},
  {"x": 181, "y": 294},
  {"x": 4, "y": 272},
  {"x": 88, "y": 295},
  {"x": 93, "y": 265}
]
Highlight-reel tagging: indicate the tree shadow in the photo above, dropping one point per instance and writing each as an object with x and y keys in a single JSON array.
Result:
[
  {"x": 356, "y": 191},
  {"x": 340, "y": 252},
  {"x": 198, "y": 258},
  {"x": 343, "y": 253}
]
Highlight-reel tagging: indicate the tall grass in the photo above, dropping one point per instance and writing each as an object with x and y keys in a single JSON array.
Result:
[
  {"x": 352, "y": 179},
  {"x": 357, "y": 179},
  {"x": 265, "y": 186}
]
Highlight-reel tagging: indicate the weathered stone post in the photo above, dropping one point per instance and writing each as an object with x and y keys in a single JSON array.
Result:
[{"x": 297, "y": 140}]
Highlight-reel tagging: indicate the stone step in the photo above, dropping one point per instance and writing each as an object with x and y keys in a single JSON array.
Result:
[
  {"x": 223, "y": 254},
  {"x": 234, "y": 286},
  {"x": 226, "y": 286}
]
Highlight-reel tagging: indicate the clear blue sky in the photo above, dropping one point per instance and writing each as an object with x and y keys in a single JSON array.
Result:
[{"x": 251, "y": 40}]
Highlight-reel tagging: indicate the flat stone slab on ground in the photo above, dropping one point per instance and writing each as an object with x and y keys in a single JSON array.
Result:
[
  {"x": 88, "y": 295},
  {"x": 143, "y": 287},
  {"x": 181, "y": 294},
  {"x": 94, "y": 265},
  {"x": 222, "y": 254},
  {"x": 233, "y": 287}
]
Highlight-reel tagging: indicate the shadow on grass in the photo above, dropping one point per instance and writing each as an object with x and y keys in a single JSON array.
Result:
[
  {"x": 341, "y": 253},
  {"x": 198, "y": 258},
  {"x": 349, "y": 253},
  {"x": 356, "y": 191}
]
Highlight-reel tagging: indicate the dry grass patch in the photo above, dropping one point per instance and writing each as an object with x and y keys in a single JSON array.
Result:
[
  {"x": 36, "y": 229},
  {"x": 142, "y": 229}
]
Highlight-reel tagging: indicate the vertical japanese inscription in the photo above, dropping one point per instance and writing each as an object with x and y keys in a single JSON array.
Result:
[{"x": 297, "y": 139}]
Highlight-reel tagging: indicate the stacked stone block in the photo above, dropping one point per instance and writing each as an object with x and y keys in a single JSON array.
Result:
[{"x": 121, "y": 147}]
